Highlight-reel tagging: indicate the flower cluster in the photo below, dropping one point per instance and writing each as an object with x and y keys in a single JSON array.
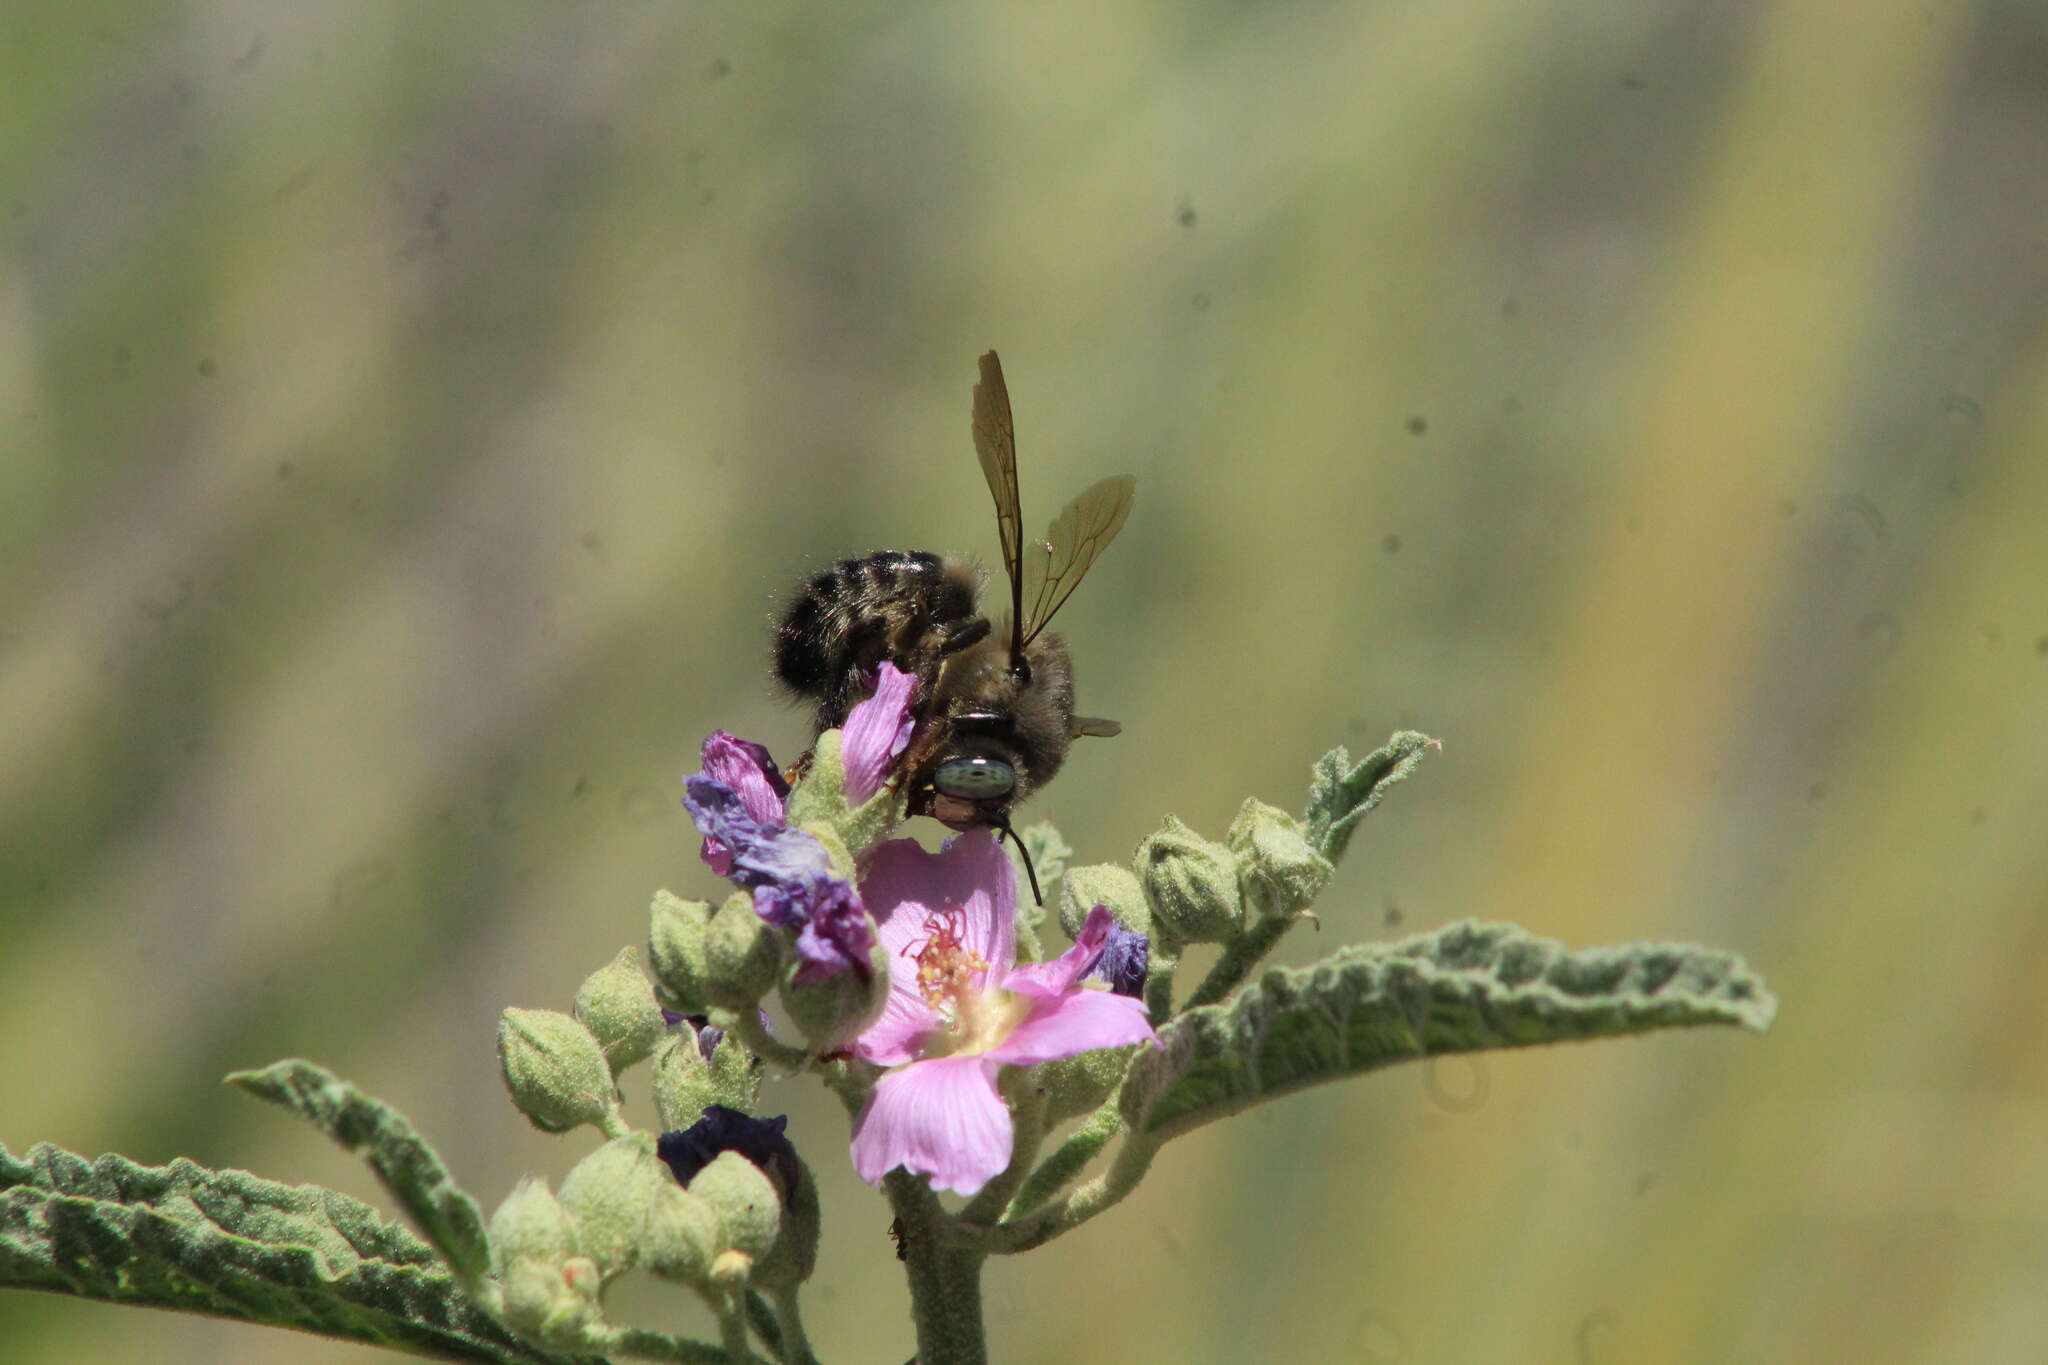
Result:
[{"x": 959, "y": 1006}]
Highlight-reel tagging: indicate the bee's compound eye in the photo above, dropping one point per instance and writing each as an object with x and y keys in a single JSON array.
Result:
[{"x": 975, "y": 779}]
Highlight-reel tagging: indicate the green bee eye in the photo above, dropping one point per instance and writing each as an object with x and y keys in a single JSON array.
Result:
[{"x": 975, "y": 779}]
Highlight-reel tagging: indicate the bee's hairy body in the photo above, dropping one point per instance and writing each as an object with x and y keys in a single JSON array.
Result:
[{"x": 920, "y": 611}]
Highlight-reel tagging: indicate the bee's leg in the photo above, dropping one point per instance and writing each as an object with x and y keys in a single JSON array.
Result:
[{"x": 955, "y": 636}]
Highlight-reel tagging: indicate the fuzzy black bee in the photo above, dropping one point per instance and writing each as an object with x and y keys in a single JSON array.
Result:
[{"x": 995, "y": 709}]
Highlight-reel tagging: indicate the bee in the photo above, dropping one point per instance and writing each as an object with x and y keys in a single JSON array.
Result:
[{"x": 994, "y": 709}]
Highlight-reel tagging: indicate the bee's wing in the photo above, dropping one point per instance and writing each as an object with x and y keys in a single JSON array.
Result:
[
  {"x": 1054, "y": 567},
  {"x": 995, "y": 441},
  {"x": 1096, "y": 726}
]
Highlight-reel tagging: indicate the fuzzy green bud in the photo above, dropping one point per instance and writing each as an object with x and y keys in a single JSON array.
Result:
[
  {"x": 683, "y": 1236},
  {"x": 1280, "y": 873},
  {"x": 1078, "y": 1084},
  {"x": 531, "y": 1225},
  {"x": 676, "y": 948},
  {"x": 1110, "y": 884},
  {"x": 833, "y": 1012},
  {"x": 1191, "y": 884},
  {"x": 555, "y": 1069},
  {"x": 685, "y": 1083},
  {"x": 617, "y": 1005},
  {"x": 741, "y": 953},
  {"x": 748, "y": 1206},
  {"x": 552, "y": 1304},
  {"x": 610, "y": 1195}
]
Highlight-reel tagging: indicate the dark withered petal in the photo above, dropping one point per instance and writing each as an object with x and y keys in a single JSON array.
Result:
[{"x": 761, "y": 1141}]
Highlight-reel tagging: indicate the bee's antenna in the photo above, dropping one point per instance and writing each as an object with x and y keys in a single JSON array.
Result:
[{"x": 1029, "y": 871}]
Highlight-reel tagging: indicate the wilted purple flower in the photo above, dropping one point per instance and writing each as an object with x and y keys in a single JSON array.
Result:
[
  {"x": 761, "y": 1141},
  {"x": 1125, "y": 957},
  {"x": 958, "y": 1011},
  {"x": 738, "y": 804},
  {"x": 791, "y": 877},
  {"x": 747, "y": 769}
]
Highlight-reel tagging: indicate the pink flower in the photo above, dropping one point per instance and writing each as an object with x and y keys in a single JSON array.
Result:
[{"x": 959, "y": 1009}]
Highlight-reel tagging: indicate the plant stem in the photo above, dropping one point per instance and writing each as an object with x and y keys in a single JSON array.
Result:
[
  {"x": 1159, "y": 981},
  {"x": 796, "y": 1346},
  {"x": 945, "y": 1276},
  {"x": 732, "y": 1328},
  {"x": 1067, "y": 1160},
  {"x": 1132, "y": 1160},
  {"x": 746, "y": 1026},
  {"x": 1238, "y": 959}
]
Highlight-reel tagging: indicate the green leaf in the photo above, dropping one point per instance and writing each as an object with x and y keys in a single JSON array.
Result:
[
  {"x": 233, "y": 1245},
  {"x": 1464, "y": 988},
  {"x": 409, "y": 1168},
  {"x": 1340, "y": 792}
]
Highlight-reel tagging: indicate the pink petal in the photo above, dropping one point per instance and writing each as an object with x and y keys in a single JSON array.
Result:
[
  {"x": 906, "y": 1023},
  {"x": 1058, "y": 976},
  {"x": 970, "y": 882},
  {"x": 941, "y": 1118},
  {"x": 1074, "y": 1023},
  {"x": 876, "y": 731}
]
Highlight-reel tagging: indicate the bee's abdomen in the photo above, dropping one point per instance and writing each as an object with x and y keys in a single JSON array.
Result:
[{"x": 842, "y": 622}]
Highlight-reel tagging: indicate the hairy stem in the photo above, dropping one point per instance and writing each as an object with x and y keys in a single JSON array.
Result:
[
  {"x": 732, "y": 1328},
  {"x": 1159, "y": 981},
  {"x": 746, "y": 1025},
  {"x": 1238, "y": 959},
  {"x": 945, "y": 1276},
  {"x": 1067, "y": 1160},
  {"x": 796, "y": 1345},
  {"x": 1133, "y": 1159}
]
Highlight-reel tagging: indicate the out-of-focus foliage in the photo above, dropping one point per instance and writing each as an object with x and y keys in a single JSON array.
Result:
[{"x": 411, "y": 414}]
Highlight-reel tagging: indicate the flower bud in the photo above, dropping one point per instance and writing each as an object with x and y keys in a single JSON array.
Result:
[
  {"x": 748, "y": 1206},
  {"x": 1110, "y": 884},
  {"x": 675, "y": 948},
  {"x": 682, "y": 1236},
  {"x": 741, "y": 953},
  {"x": 1191, "y": 884},
  {"x": 549, "y": 1303},
  {"x": 831, "y": 1012},
  {"x": 531, "y": 1225},
  {"x": 1280, "y": 873},
  {"x": 686, "y": 1081},
  {"x": 610, "y": 1195},
  {"x": 617, "y": 1005},
  {"x": 1078, "y": 1084},
  {"x": 555, "y": 1069}
]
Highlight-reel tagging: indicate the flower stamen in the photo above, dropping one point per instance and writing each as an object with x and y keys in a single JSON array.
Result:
[{"x": 945, "y": 964}]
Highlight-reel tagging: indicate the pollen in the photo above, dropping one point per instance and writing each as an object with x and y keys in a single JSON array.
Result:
[{"x": 945, "y": 965}]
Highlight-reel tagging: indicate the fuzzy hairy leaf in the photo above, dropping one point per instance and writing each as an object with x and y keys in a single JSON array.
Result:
[
  {"x": 1465, "y": 988},
  {"x": 233, "y": 1245},
  {"x": 1341, "y": 792},
  {"x": 408, "y": 1167}
]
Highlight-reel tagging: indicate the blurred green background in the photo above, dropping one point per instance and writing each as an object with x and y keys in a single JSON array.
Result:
[{"x": 412, "y": 414}]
